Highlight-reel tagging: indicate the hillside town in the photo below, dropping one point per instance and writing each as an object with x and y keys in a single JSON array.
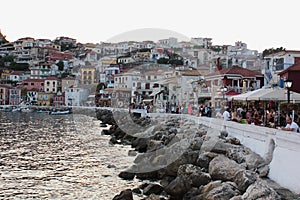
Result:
[{"x": 168, "y": 75}]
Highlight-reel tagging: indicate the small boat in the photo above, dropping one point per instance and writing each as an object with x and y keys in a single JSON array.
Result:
[
  {"x": 60, "y": 112},
  {"x": 27, "y": 110},
  {"x": 43, "y": 111},
  {"x": 16, "y": 109}
]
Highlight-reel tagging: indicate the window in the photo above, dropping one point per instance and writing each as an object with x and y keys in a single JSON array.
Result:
[{"x": 32, "y": 84}]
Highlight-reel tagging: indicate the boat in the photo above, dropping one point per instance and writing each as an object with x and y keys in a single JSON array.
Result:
[
  {"x": 27, "y": 110},
  {"x": 17, "y": 109},
  {"x": 60, "y": 112},
  {"x": 43, "y": 111},
  {"x": 6, "y": 109}
]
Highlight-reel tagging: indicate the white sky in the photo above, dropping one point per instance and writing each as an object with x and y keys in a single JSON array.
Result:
[{"x": 259, "y": 23}]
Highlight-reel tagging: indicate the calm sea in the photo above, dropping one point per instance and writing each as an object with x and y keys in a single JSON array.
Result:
[{"x": 58, "y": 157}]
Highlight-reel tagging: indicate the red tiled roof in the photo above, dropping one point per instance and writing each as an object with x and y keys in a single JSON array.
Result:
[
  {"x": 295, "y": 67},
  {"x": 34, "y": 80},
  {"x": 16, "y": 73},
  {"x": 51, "y": 78},
  {"x": 6, "y": 86},
  {"x": 235, "y": 70}
]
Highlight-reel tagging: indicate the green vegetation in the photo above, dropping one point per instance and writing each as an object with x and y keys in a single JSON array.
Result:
[
  {"x": 100, "y": 86},
  {"x": 9, "y": 63},
  {"x": 60, "y": 65},
  {"x": 267, "y": 52}
]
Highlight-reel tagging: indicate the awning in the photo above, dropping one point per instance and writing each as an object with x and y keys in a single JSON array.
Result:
[
  {"x": 266, "y": 94},
  {"x": 147, "y": 100}
]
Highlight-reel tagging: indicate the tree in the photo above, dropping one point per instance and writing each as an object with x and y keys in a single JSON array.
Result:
[
  {"x": 163, "y": 61},
  {"x": 60, "y": 65},
  {"x": 267, "y": 52},
  {"x": 100, "y": 86}
]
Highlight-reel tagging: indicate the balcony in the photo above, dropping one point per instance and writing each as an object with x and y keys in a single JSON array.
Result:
[{"x": 204, "y": 92}]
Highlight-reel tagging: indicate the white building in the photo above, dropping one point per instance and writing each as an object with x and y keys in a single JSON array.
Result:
[{"x": 76, "y": 96}]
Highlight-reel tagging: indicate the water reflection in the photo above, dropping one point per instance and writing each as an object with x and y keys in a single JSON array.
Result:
[{"x": 43, "y": 156}]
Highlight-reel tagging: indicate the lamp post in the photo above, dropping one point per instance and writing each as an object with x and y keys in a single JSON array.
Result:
[
  {"x": 288, "y": 84},
  {"x": 223, "y": 90}
]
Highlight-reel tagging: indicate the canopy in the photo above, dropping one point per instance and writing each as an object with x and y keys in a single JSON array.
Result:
[{"x": 267, "y": 94}]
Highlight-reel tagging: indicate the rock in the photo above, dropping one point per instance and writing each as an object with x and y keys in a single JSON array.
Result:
[
  {"x": 132, "y": 153},
  {"x": 141, "y": 144},
  {"x": 103, "y": 125},
  {"x": 178, "y": 187},
  {"x": 154, "y": 197},
  {"x": 126, "y": 175},
  {"x": 263, "y": 171},
  {"x": 253, "y": 160},
  {"x": 218, "y": 191},
  {"x": 124, "y": 195},
  {"x": 233, "y": 140},
  {"x": 222, "y": 168},
  {"x": 236, "y": 198},
  {"x": 166, "y": 180},
  {"x": 196, "y": 143},
  {"x": 259, "y": 190},
  {"x": 195, "y": 174},
  {"x": 204, "y": 159},
  {"x": 223, "y": 134},
  {"x": 188, "y": 157},
  {"x": 153, "y": 189},
  {"x": 245, "y": 178},
  {"x": 111, "y": 166},
  {"x": 136, "y": 191},
  {"x": 191, "y": 193}
]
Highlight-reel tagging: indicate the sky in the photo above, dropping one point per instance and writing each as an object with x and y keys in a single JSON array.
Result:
[{"x": 261, "y": 24}]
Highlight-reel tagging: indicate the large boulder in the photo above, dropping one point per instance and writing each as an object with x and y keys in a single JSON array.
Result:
[
  {"x": 179, "y": 186},
  {"x": 195, "y": 174},
  {"x": 260, "y": 191},
  {"x": 244, "y": 178},
  {"x": 218, "y": 191},
  {"x": 222, "y": 168}
]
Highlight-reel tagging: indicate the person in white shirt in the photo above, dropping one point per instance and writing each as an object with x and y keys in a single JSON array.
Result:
[
  {"x": 226, "y": 115},
  {"x": 290, "y": 125}
]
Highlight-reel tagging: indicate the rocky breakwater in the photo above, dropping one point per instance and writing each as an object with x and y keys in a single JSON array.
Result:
[{"x": 189, "y": 161}]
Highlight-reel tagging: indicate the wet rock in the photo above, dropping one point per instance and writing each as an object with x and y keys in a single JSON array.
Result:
[
  {"x": 222, "y": 168},
  {"x": 124, "y": 195},
  {"x": 126, "y": 175},
  {"x": 152, "y": 189},
  {"x": 136, "y": 191},
  {"x": 259, "y": 190}
]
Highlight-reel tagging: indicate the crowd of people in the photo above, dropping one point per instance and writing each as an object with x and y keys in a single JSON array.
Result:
[
  {"x": 245, "y": 115},
  {"x": 257, "y": 116}
]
